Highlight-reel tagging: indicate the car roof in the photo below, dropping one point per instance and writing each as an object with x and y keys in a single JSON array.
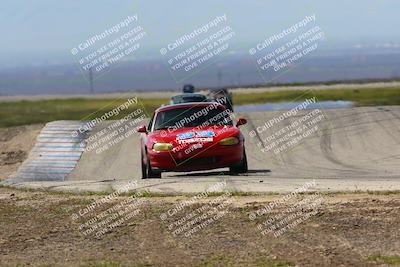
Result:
[
  {"x": 180, "y": 105},
  {"x": 189, "y": 95}
]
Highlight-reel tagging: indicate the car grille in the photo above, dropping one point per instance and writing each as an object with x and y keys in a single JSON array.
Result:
[{"x": 197, "y": 161}]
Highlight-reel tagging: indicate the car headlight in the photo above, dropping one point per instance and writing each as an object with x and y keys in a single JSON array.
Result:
[
  {"x": 230, "y": 141},
  {"x": 162, "y": 146}
]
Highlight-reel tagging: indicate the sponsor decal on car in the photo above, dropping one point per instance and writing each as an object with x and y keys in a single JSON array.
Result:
[
  {"x": 196, "y": 140},
  {"x": 185, "y": 136},
  {"x": 205, "y": 134},
  {"x": 199, "y": 137}
]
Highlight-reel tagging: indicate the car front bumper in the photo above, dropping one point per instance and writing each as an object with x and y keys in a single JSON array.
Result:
[{"x": 208, "y": 158}]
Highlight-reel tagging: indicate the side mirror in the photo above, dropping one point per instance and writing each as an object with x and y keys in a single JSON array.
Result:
[
  {"x": 142, "y": 129},
  {"x": 241, "y": 121}
]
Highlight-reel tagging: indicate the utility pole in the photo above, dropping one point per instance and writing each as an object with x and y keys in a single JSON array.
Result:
[
  {"x": 91, "y": 80},
  {"x": 219, "y": 78}
]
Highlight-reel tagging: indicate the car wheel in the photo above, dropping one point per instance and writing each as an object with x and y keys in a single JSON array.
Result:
[
  {"x": 144, "y": 171},
  {"x": 148, "y": 172},
  {"x": 241, "y": 167}
]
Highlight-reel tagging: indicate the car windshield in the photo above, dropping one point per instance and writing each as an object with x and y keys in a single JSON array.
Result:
[{"x": 192, "y": 117}]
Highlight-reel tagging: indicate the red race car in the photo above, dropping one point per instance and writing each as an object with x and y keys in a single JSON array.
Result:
[{"x": 192, "y": 137}]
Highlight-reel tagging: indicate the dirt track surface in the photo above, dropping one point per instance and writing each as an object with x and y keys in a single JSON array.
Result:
[
  {"x": 37, "y": 230},
  {"x": 15, "y": 144},
  {"x": 355, "y": 149},
  {"x": 356, "y": 143}
]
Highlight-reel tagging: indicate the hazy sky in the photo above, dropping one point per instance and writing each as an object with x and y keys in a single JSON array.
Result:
[{"x": 58, "y": 25}]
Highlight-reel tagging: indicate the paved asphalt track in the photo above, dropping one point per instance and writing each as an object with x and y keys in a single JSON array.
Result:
[{"x": 353, "y": 149}]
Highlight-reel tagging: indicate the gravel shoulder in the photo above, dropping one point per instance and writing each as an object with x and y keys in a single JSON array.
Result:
[{"x": 38, "y": 229}]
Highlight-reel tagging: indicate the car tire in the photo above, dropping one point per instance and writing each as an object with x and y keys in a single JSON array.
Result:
[
  {"x": 240, "y": 167},
  {"x": 144, "y": 171},
  {"x": 148, "y": 172}
]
